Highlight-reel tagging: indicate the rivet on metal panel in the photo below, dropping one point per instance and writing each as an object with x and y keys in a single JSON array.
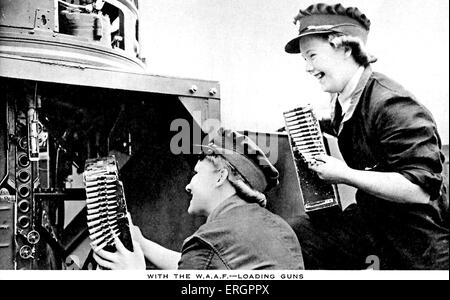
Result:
[
  {"x": 193, "y": 89},
  {"x": 212, "y": 91}
]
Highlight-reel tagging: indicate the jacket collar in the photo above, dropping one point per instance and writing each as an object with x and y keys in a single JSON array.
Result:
[
  {"x": 354, "y": 98},
  {"x": 345, "y": 97},
  {"x": 226, "y": 205}
]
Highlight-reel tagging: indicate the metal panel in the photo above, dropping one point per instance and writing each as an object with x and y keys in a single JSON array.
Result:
[
  {"x": 214, "y": 109},
  {"x": 285, "y": 200},
  {"x": 197, "y": 108},
  {"x": 3, "y": 141},
  {"x": 30, "y": 69},
  {"x": 17, "y": 13},
  {"x": 63, "y": 49},
  {"x": 6, "y": 231},
  {"x": 21, "y": 13}
]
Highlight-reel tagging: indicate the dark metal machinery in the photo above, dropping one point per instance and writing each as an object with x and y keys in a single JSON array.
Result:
[{"x": 73, "y": 87}]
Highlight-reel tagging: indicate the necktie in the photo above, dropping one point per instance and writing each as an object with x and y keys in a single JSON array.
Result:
[{"x": 337, "y": 116}]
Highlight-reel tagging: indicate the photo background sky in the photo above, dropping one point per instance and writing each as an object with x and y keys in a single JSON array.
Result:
[{"x": 240, "y": 43}]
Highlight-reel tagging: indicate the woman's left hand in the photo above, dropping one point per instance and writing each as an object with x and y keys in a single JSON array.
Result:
[
  {"x": 122, "y": 259},
  {"x": 330, "y": 169}
]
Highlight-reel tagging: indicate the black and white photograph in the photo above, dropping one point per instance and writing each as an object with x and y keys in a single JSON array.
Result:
[{"x": 224, "y": 144}]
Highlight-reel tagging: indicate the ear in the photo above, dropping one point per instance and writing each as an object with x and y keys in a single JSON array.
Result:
[
  {"x": 347, "y": 51},
  {"x": 223, "y": 176}
]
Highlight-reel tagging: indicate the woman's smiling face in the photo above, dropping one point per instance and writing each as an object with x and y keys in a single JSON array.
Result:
[{"x": 328, "y": 64}]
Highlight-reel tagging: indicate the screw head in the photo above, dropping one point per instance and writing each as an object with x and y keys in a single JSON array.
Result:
[
  {"x": 193, "y": 89},
  {"x": 212, "y": 91}
]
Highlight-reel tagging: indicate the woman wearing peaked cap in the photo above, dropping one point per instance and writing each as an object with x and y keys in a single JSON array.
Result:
[
  {"x": 228, "y": 188},
  {"x": 392, "y": 154}
]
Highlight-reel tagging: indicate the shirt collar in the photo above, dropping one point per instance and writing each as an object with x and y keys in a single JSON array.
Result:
[
  {"x": 345, "y": 97},
  {"x": 354, "y": 98}
]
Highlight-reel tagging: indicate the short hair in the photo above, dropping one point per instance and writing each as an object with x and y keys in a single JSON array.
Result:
[
  {"x": 240, "y": 184},
  {"x": 359, "y": 51}
]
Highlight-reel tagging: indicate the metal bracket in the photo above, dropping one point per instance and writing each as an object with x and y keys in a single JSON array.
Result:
[{"x": 43, "y": 19}]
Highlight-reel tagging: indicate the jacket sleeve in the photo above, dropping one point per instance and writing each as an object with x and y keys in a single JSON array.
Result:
[
  {"x": 409, "y": 143},
  {"x": 198, "y": 255}
]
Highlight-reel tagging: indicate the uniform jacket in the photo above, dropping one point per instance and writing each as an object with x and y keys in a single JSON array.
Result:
[
  {"x": 242, "y": 235},
  {"x": 388, "y": 130}
]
